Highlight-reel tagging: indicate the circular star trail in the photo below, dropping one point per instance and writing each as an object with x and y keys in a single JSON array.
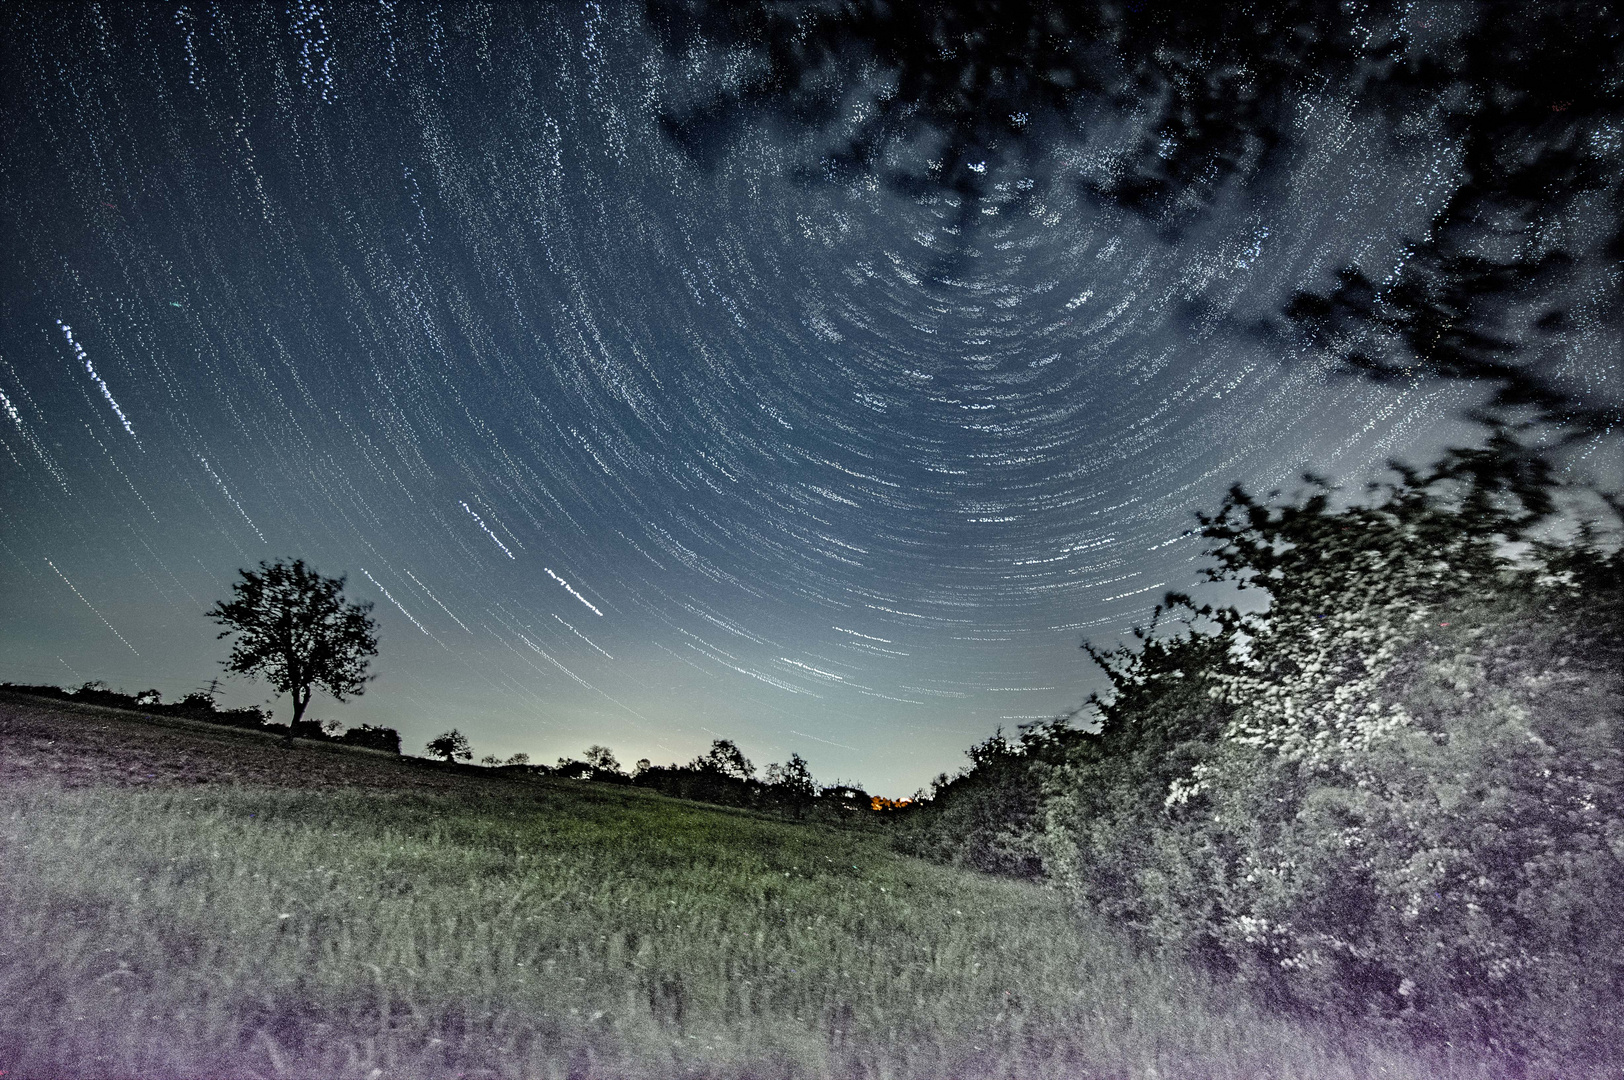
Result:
[{"x": 624, "y": 449}]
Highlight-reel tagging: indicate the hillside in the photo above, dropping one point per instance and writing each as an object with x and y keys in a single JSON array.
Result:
[{"x": 186, "y": 901}]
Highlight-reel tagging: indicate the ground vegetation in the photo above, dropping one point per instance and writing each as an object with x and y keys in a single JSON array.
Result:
[{"x": 446, "y": 922}]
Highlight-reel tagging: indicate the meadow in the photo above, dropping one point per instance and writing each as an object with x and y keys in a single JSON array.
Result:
[{"x": 483, "y": 927}]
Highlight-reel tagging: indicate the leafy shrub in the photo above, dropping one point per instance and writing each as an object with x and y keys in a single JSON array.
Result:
[
  {"x": 198, "y": 705},
  {"x": 373, "y": 738},
  {"x": 845, "y": 796},
  {"x": 250, "y": 717},
  {"x": 1103, "y": 816},
  {"x": 1397, "y": 794},
  {"x": 320, "y": 730},
  {"x": 988, "y": 816},
  {"x": 452, "y": 745}
]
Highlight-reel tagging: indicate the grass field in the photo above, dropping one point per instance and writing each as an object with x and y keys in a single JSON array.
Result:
[{"x": 549, "y": 928}]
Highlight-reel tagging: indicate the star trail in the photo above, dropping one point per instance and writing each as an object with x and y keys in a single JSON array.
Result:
[{"x": 625, "y": 449}]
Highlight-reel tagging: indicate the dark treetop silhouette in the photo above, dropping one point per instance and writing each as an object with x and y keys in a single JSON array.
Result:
[
  {"x": 295, "y": 630},
  {"x": 1522, "y": 250},
  {"x": 453, "y": 746}
]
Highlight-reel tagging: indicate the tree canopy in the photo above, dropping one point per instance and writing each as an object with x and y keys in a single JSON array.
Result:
[
  {"x": 724, "y": 758},
  {"x": 1171, "y": 102},
  {"x": 453, "y": 746},
  {"x": 293, "y": 628},
  {"x": 792, "y": 780}
]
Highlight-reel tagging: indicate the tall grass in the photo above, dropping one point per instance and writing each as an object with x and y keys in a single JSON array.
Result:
[{"x": 558, "y": 930}]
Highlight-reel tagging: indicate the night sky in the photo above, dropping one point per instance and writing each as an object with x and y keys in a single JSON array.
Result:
[{"x": 624, "y": 449}]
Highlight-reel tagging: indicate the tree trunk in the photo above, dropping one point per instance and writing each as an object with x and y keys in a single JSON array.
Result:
[{"x": 300, "y": 703}]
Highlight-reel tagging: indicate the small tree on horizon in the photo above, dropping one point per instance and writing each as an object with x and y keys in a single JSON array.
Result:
[
  {"x": 792, "y": 781},
  {"x": 295, "y": 630},
  {"x": 453, "y": 746},
  {"x": 602, "y": 758},
  {"x": 725, "y": 758}
]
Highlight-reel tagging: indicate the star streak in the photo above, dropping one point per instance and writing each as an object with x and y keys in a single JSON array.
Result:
[{"x": 91, "y": 606}]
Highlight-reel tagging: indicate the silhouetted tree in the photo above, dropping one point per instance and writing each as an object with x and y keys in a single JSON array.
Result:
[
  {"x": 846, "y": 796},
  {"x": 724, "y": 758},
  {"x": 295, "y": 630},
  {"x": 721, "y": 775},
  {"x": 599, "y": 764},
  {"x": 792, "y": 781},
  {"x": 453, "y": 746},
  {"x": 373, "y": 738},
  {"x": 199, "y": 703}
]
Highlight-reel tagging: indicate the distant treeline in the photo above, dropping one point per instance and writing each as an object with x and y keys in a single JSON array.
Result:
[
  {"x": 1396, "y": 795},
  {"x": 200, "y": 705},
  {"x": 722, "y": 775}
]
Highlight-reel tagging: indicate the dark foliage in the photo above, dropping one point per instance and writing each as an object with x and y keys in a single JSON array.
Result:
[
  {"x": 1522, "y": 250},
  {"x": 372, "y": 738},
  {"x": 725, "y": 777},
  {"x": 198, "y": 705},
  {"x": 687, "y": 782},
  {"x": 985, "y": 81},
  {"x": 790, "y": 786},
  {"x": 293, "y": 628},
  {"x": 1532, "y": 95},
  {"x": 844, "y": 797},
  {"x": 725, "y": 759},
  {"x": 320, "y": 730},
  {"x": 599, "y": 766},
  {"x": 453, "y": 746},
  {"x": 721, "y": 775},
  {"x": 988, "y": 815}
]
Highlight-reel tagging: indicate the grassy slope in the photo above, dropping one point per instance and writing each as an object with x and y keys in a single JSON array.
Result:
[{"x": 559, "y": 929}]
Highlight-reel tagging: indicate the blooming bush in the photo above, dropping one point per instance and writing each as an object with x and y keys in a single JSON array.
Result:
[{"x": 1398, "y": 793}]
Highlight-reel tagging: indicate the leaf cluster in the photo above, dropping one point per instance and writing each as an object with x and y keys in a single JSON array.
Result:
[{"x": 1174, "y": 101}]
